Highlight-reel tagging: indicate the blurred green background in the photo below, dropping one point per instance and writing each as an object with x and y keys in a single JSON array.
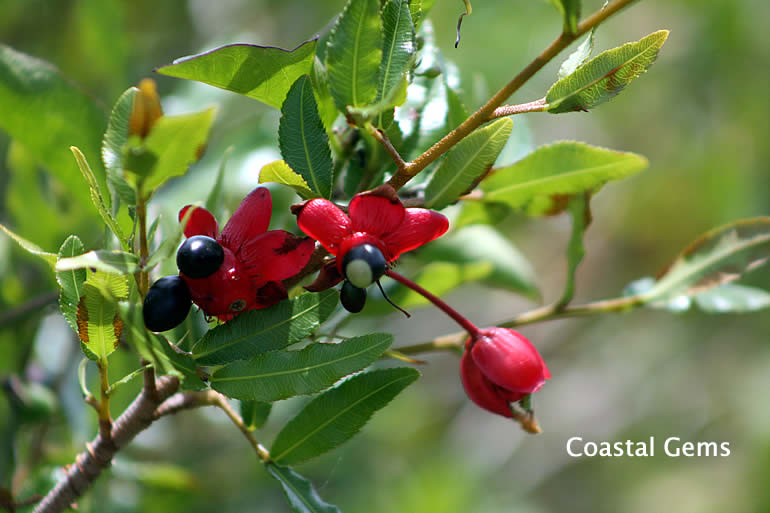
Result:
[{"x": 701, "y": 116}]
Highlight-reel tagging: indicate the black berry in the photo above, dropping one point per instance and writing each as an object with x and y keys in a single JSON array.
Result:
[
  {"x": 352, "y": 298},
  {"x": 166, "y": 304},
  {"x": 199, "y": 257},
  {"x": 363, "y": 265}
]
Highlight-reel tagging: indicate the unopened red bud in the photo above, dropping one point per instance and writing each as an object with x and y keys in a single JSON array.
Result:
[{"x": 501, "y": 366}]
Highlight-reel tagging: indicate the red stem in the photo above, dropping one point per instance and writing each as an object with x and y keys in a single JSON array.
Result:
[{"x": 467, "y": 325}]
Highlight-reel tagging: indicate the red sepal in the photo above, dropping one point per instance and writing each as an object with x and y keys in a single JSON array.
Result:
[
  {"x": 275, "y": 255},
  {"x": 201, "y": 222},
  {"x": 419, "y": 227},
  {"x": 509, "y": 360},
  {"x": 251, "y": 218},
  {"x": 480, "y": 390},
  {"x": 325, "y": 222},
  {"x": 378, "y": 212}
]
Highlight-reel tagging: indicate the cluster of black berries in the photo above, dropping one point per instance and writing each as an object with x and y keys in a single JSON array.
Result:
[{"x": 168, "y": 301}]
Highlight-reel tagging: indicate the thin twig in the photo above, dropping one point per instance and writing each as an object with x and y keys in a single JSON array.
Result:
[
  {"x": 482, "y": 115},
  {"x": 454, "y": 341},
  {"x": 521, "y": 108},
  {"x": 383, "y": 139},
  {"x": 99, "y": 453}
]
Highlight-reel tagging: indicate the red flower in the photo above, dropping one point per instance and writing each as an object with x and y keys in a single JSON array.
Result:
[
  {"x": 376, "y": 218},
  {"x": 500, "y": 366},
  {"x": 255, "y": 260}
]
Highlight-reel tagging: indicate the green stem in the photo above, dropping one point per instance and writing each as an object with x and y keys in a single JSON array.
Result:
[
  {"x": 454, "y": 341},
  {"x": 484, "y": 113}
]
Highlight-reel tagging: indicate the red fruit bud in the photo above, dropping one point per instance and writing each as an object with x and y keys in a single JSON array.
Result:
[{"x": 501, "y": 366}]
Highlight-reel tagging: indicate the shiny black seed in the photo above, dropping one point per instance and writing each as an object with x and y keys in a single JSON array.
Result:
[
  {"x": 166, "y": 304},
  {"x": 199, "y": 257},
  {"x": 352, "y": 298},
  {"x": 372, "y": 257}
]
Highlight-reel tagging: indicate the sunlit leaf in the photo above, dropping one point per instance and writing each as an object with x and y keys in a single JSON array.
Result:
[
  {"x": 300, "y": 494},
  {"x": 71, "y": 282},
  {"x": 176, "y": 142},
  {"x": 466, "y": 163},
  {"x": 604, "y": 76},
  {"x": 282, "y": 374},
  {"x": 99, "y": 325},
  {"x": 720, "y": 256},
  {"x": 338, "y": 414},
  {"x": 280, "y": 172},
  {"x": 31, "y": 247},
  {"x": 104, "y": 260},
  {"x": 577, "y": 58},
  {"x": 97, "y": 198},
  {"x": 540, "y": 180},
  {"x": 258, "y": 331},
  {"x": 303, "y": 140},
  {"x": 114, "y": 140},
  {"x": 261, "y": 72},
  {"x": 419, "y": 9},
  {"x": 354, "y": 53},
  {"x": 732, "y": 298}
]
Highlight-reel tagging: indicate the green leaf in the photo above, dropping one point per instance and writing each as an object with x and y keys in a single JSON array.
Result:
[
  {"x": 299, "y": 492},
  {"x": 720, "y": 256},
  {"x": 580, "y": 210},
  {"x": 354, "y": 53},
  {"x": 280, "y": 172},
  {"x": 279, "y": 375},
  {"x": 157, "y": 350},
  {"x": 466, "y": 163},
  {"x": 104, "y": 260},
  {"x": 338, "y": 414},
  {"x": 570, "y": 10},
  {"x": 604, "y": 76},
  {"x": 56, "y": 115},
  {"x": 99, "y": 325},
  {"x": 255, "y": 413},
  {"x": 732, "y": 298},
  {"x": 419, "y": 9},
  {"x": 398, "y": 46},
  {"x": 540, "y": 180},
  {"x": 264, "y": 73},
  {"x": 31, "y": 247},
  {"x": 259, "y": 331},
  {"x": 303, "y": 140},
  {"x": 70, "y": 282},
  {"x": 581, "y": 54},
  {"x": 510, "y": 269},
  {"x": 176, "y": 142},
  {"x": 97, "y": 198},
  {"x": 115, "y": 138}
]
